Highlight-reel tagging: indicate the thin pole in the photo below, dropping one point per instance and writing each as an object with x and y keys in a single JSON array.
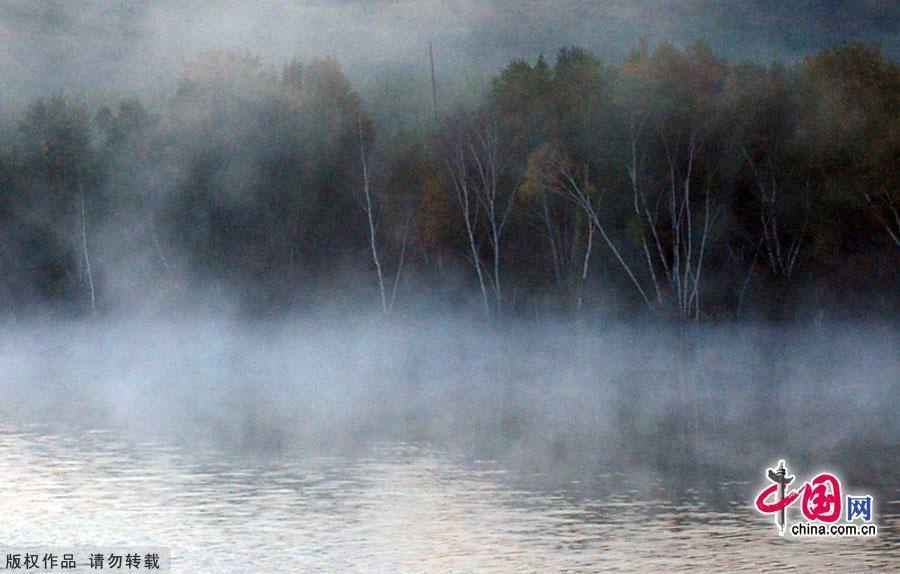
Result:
[{"x": 433, "y": 82}]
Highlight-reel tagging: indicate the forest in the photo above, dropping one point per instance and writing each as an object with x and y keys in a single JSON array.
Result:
[{"x": 674, "y": 184}]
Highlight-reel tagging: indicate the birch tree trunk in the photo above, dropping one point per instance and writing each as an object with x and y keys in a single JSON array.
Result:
[
  {"x": 84, "y": 250},
  {"x": 367, "y": 206},
  {"x": 483, "y": 145},
  {"x": 459, "y": 174},
  {"x": 396, "y": 287}
]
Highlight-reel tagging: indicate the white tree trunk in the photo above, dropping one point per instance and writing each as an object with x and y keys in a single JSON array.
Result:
[
  {"x": 367, "y": 193},
  {"x": 85, "y": 252},
  {"x": 459, "y": 173},
  {"x": 396, "y": 286}
]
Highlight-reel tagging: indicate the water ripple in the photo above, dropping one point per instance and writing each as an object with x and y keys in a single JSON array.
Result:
[{"x": 400, "y": 508}]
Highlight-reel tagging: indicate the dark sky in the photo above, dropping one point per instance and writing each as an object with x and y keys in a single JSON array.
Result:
[{"x": 126, "y": 45}]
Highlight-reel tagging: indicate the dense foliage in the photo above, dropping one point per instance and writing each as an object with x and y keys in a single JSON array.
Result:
[{"x": 674, "y": 184}]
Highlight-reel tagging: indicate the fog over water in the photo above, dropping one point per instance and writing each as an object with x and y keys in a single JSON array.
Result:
[
  {"x": 271, "y": 300},
  {"x": 343, "y": 442},
  {"x": 568, "y": 397}
]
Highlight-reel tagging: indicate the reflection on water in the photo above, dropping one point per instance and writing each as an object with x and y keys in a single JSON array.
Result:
[{"x": 398, "y": 508}]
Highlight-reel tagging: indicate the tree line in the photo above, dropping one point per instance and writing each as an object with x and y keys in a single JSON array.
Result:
[{"x": 674, "y": 184}]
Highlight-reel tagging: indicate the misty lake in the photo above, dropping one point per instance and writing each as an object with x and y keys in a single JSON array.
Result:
[
  {"x": 449, "y": 286},
  {"x": 440, "y": 446},
  {"x": 398, "y": 507}
]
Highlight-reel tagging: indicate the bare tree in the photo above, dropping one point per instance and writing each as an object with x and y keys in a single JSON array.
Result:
[
  {"x": 739, "y": 258},
  {"x": 403, "y": 243},
  {"x": 458, "y": 167},
  {"x": 579, "y": 190},
  {"x": 368, "y": 204},
  {"x": 84, "y": 247},
  {"x": 484, "y": 148},
  {"x": 476, "y": 168},
  {"x": 370, "y": 217},
  {"x": 672, "y": 268},
  {"x": 781, "y": 249},
  {"x": 560, "y": 221},
  {"x": 683, "y": 264}
]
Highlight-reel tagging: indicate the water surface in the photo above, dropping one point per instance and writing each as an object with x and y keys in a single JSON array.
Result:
[{"x": 396, "y": 507}]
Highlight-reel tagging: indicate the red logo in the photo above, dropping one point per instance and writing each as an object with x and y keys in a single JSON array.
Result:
[{"x": 821, "y": 498}]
